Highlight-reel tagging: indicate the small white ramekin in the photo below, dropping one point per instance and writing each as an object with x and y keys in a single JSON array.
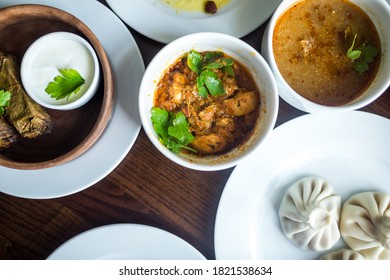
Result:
[{"x": 59, "y": 60}]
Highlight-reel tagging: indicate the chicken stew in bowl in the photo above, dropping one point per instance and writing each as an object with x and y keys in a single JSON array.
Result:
[{"x": 206, "y": 103}]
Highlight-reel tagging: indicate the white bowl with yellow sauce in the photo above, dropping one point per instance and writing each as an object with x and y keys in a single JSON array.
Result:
[
  {"x": 322, "y": 59},
  {"x": 242, "y": 54}
]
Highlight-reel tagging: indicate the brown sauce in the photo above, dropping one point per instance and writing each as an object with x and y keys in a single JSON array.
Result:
[
  {"x": 219, "y": 123},
  {"x": 310, "y": 43}
]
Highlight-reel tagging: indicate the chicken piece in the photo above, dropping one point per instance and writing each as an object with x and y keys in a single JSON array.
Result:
[
  {"x": 206, "y": 118},
  {"x": 210, "y": 143},
  {"x": 306, "y": 47},
  {"x": 176, "y": 90},
  {"x": 226, "y": 123},
  {"x": 242, "y": 103},
  {"x": 230, "y": 86},
  {"x": 221, "y": 139}
]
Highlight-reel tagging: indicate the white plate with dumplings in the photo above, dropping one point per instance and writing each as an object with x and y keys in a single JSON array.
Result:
[{"x": 349, "y": 150}]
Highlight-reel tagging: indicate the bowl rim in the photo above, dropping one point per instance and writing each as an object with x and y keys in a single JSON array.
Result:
[
  {"x": 108, "y": 90},
  {"x": 288, "y": 93},
  {"x": 163, "y": 57}
]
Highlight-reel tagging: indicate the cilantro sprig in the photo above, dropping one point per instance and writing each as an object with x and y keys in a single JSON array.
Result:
[
  {"x": 353, "y": 54},
  {"x": 208, "y": 81},
  {"x": 70, "y": 81},
  {"x": 5, "y": 97},
  {"x": 361, "y": 56},
  {"x": 172, "y": 129}
]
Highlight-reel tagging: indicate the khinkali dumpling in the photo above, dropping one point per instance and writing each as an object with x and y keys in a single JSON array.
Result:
[
  {"x": 309, "y": 214},
  {"x": 365, "y": 224},
  {"x": 342, "y": 254}
]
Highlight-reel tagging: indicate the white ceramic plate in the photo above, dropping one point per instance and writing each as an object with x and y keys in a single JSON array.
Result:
[
  {"x": 126, "y": 241},
  {"x": 350, "y": 150},
  {"x": 123, "y": 128},
  {"x": 162, "y": 23}
]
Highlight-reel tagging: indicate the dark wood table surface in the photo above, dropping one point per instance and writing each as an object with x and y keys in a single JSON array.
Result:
[{"x": 145, "y": 188}]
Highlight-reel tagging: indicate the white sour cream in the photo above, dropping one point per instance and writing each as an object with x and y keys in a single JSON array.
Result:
[{"x": 44, "y": 58}]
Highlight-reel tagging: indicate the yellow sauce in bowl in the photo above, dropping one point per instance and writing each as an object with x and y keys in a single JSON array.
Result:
[{"x": 193, "y": 5}]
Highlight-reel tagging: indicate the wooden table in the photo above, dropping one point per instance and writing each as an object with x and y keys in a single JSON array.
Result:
[{"x": 146, "y": 188}]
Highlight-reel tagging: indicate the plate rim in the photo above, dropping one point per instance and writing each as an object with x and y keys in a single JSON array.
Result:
[{"x": 124, "y": 231}]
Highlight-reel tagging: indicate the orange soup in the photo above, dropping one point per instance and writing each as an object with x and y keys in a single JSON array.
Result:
[{"x": 327, "y": 50}]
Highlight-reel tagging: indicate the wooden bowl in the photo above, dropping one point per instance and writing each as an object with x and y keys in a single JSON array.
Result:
[{"x": 74, "y": 131}]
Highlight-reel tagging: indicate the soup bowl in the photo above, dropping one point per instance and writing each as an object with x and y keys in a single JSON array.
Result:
[
  {"x": 379, "y": 13},
  {"x": 240, "y": 52}
]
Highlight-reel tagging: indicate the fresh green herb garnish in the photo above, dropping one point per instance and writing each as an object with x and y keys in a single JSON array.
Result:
[
  {"x": 353, "y": 54},
  {"x": 172, "y": 130},
  {"x": 195, "y": 61},
  {"x": 361, "y": 56},
  {"x": 5, "y": 97},
  {"x": 367, "y": 56},
  {"x": 208, "y": 81},
  {"x": 70, "y": 81}
]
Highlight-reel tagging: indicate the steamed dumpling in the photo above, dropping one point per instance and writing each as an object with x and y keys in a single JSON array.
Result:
[
  {"x": 365, "y": 224},
  {"x": 309, "y": 214},
  {"x": 342, "y": 254}
]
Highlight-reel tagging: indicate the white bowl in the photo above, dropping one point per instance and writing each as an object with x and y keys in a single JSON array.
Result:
[
  {"x": 379, "y": 12},
  {"x": 54, "y": 51},
  {"x": 238, "y": 50}
]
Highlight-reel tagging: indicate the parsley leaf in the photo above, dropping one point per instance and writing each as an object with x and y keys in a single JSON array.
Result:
[
  {"x": 353, "y": 54},
  {"x": 228, "y": 66},
  {"x": 214, "y": 65},
  {"x": 172, "y": 130},
  {"x": 360, "y": 66},
  {"x": 195, "y": 61},
  {"x": 369, "y": 52},
  {"x": 180, "y": 129},
  {"x": 202, "y": 90},
  {"x": 362, "y": 56},
  {"x": 208, "y": 80},
  {"x": 5, "y": 97},
  {"x": 212, "y": 82},
  {"x": 70, "y": 81},
  {"x": 210, "y": 57},
  {"x": 160, "y": 119}
]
